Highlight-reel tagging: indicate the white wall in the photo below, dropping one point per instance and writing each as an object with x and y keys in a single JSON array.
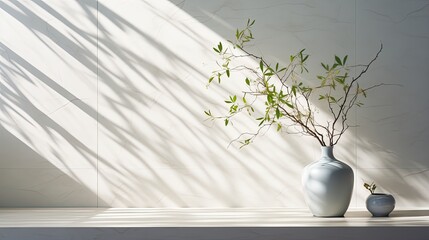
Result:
[{"x": 102, "y": 102}]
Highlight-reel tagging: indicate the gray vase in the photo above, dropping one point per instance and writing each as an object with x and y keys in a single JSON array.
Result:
[
  {"x": 328, "y": 185},
  {"x": 380, "y": 204}
]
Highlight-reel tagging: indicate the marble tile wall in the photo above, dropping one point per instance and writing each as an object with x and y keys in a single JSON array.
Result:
[
  {"x": 392, "y": 137},
  {"x": 48, "y": 103},
  {"x": 103, "y": 102}
]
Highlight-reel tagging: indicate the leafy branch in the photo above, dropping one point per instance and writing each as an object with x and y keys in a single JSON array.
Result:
[
  {"x": 289, "y": 101},
  {"x": 371, "y": 187}
]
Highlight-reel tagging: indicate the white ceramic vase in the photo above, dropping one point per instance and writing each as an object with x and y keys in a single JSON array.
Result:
[{"x": 328, "y": 185}]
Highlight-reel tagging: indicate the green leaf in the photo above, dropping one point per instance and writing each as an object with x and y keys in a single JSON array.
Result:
[
  {"x": 227, "y": 72},
  {"x": 321, "y": 97},
  {"x": 247, "y": 81},
  {"x": 261, "y": 65},
  {"x": 244, "y": 100},
  {"x": 270, "y": 98},
  {"x": 306, "y": 89},
  {"x": 231, "y": 99},
  {"x": 240, "y": 35},
  {"x": 216, "y": 50},
  {"x": 289, "y": 104},
  {"x": 208, "y": 113},
  {"x": 340, "y": 79},
  {"x": 277, "y": 67},
  {"x": 292, "y": 58},
  {"x": 234, "y": 98},
  {"x": 305, "y": 58},
  {"x": 345, "y": 87},
  {"x": 294, "y": 90},
  {"x": 305, "y": 69},
  {"x": 326, "y": 67},
  {"x": 278, "y": 114},
  {"x": 338, "y": 60},
  {"x": 245, "y": 142},
  {"x": 211, "y": 79},
  {"x": 220, "y": 46},
  {"x": 345, "y": 59},
  {"x": 279, "y": 127},
  {"x": 226, "y": 121}
]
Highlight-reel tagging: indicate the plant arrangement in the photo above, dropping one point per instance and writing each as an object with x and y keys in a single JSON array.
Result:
[
  {"x": 379, "y": 204},
  {"x": 371, "y": 187},
  {"x": 293, "y": 103}
]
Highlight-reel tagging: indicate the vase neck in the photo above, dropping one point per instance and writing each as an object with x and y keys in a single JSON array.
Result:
[{"x": 328, "y": 152}]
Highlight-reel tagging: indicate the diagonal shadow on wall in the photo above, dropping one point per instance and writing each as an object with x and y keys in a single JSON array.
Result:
[
  {"x": 30, "y": 180},
  {"x": 130, "y": 108},
  {"x": 331, "y": 28},
  {"x": 122, "y": 184}
]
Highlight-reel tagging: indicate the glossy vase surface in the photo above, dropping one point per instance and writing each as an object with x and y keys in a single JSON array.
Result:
[{"x": 328, "y": 185}]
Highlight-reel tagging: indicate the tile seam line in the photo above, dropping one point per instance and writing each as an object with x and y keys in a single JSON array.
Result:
[{"x": 97, "y": 195}]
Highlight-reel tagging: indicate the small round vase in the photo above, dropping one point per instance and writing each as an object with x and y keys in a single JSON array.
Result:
[
  {"x": 380, "y": 204},
  {"x": 328, "y": 185}
]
